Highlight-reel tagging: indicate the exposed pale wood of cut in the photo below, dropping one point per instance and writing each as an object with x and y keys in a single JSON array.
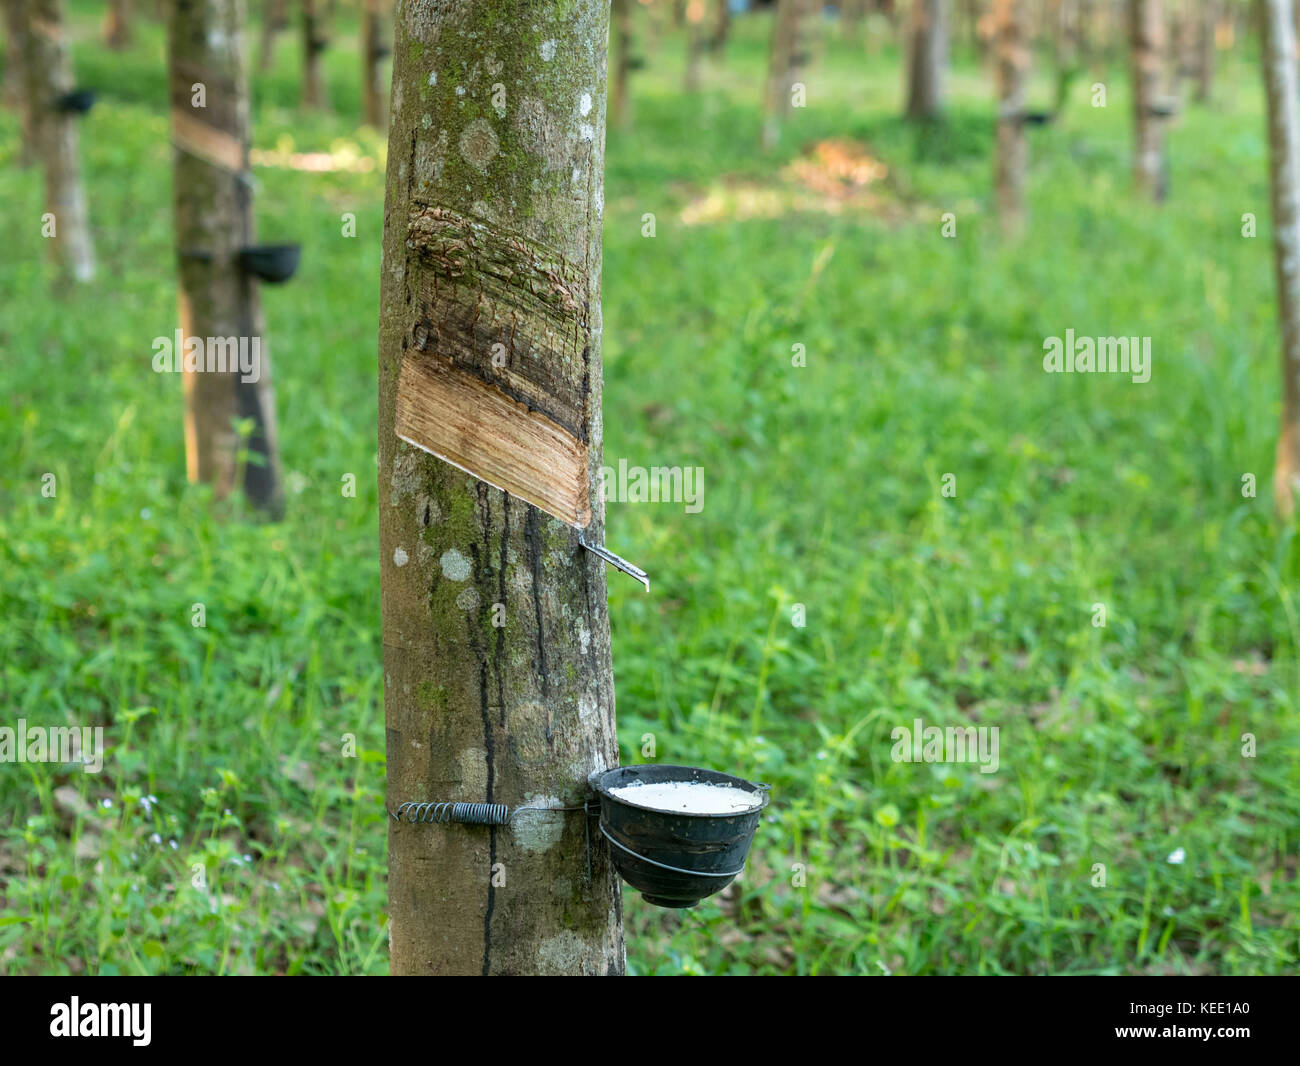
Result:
[{"x": 474, "y": 425}]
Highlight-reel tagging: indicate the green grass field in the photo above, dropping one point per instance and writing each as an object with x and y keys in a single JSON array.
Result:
[{"x": 1119, "y": 745}]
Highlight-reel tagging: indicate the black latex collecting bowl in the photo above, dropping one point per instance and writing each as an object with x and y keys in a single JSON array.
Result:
[
  {"x": 675, "y": 858},
  {"x": 274, "y": 263}
]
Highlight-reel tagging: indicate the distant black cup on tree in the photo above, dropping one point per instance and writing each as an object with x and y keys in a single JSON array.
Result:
[
  {"x": 274, "y": 263},
  {"x": 76, "y": 102}
]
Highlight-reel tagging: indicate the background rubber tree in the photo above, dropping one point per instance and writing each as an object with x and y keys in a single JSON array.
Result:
[
  {"x": 621, "y": 44},
  {"x": 212, "y": 195},
  {"x": 927, "y": 58},
  {"x": 275, "y": 17},
  {"x": 1278, "y": 44},
  {"x": 47, "y": 66},
  {"x": 1207, "y": 51},
  {"x": 1011, "y": 157},
  {"x": 1147, "y": 43},
  {"x": 15, "y": 83},
  {"x": 498, "y": 677},
  {"x": 697, "y": 41},
  {"x": 374, "y": 48},
  {"x": 785, "y": 58},
  {"x": 315, "y": 40},
  {"x": 117, "y": 24}
]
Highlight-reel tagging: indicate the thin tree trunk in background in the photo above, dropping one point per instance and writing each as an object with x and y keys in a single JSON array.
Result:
[
  {"x": 927, "y": 58},
  {"x": 117, "y": 24},
  {"x": 695, "y": 43},
  {"x": 1102, "y": 26},
  {"x": 1065, "y": 36},
  {"x": 721, "y": 29},
  {"x": 314, "y": 42},
  {"x": 492, "y": 251},
  {"x": 1206, "y": 56},
  {"x": 1278, "y": 43},
  {"x": 373, "y": 50},
  {"x": 1183, "y": 50},
  {"x": 213, "y": 201},
  {"x": 969, "y": 13},
  {"x": 621, "y": 39},
  {"x": 1012, "y": 49},
  {"x": 47, "y": 65},
  {"x": 15, "y": 87},
  {"x": 1146, "y": 32},
  {"x": 275, "y": 17},
  {"x": 782, "y": 70}
]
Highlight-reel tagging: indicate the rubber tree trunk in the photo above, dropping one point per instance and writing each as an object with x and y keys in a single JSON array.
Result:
[
  {"x": 721, "y": 29},
  {"x": 696, "y": 31},
  {"x": 117, "y": 24},
  {"x": 1065, "y": 35},
  {"x": 15, "y": 86},
  {"x": 314, "y": 43},
  {"x": 212, "y": 196},
  {"x": 782, "y": 67},
  {"x": 927, "y": 58},
  {"x": 1181, "y": 22},
  {"x": 1206, "y": 51},
  {"x": 374, "y": 48},
  {"x": 274, "y": 19},
  {"x": 621, "y": 39},
  {"x": 1146, "y": 35},
  {"x": 48, "y": 67},
  {"x": 1012, "y": 50},
  {"x": 1278, "y": 47},
  {"x": 491, "y": 277}
]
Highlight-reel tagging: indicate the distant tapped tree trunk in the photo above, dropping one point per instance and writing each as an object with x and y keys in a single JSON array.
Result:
[
  {"x": 1206, "y": 52},
  {"x": 498, "y": 682},
  {"x": 1278, "y": 42},
  {"x": 1012, "y": 49},
  {"x": 117, "y": 24},
  {"x": 373, "y": 49},
  {"x": 275, "y": 17},
  {"x": 15, "y": 87},
  {"x": 927, "y": 58},
  {"x": 47, "y": 65},
  {"x": 784, "y": 60},
  {"x": 213, "y": 201},
  {"x": 1065, "y": 27},
  {"x": 721, "y": 29},
  {"x": 621, "y": 41},
  {"x": 695, "y": 42},
  {"x": 1146, "y": 34},
  {"x": 314, "y": 43}
]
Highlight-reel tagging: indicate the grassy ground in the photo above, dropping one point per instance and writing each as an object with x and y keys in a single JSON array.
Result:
[{"x": 1119, "y": 745}]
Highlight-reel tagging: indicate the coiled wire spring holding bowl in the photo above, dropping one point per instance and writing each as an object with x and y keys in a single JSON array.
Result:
[
  {"x": 463, "y": 813},
  {"x": 416, "y": 813}
]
